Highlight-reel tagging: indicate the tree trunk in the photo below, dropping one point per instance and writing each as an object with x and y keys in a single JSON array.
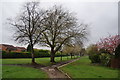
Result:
[
  {"x": 52, "y": 58},
  {"x": 33, "y": 58},
  {"x": 71, "y": 55},
  {"x": 32, "y": 54},
  {"x": 67, "y": 56},
  {"x": 61, "y": 56}
]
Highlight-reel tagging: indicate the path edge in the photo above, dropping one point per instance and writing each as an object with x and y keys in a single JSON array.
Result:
[
  {"x": 64, "y": 73},
  {"x": 65, "y": 65}
]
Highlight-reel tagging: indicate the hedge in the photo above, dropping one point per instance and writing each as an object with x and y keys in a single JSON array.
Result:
[{"x": 38, "y": 53}]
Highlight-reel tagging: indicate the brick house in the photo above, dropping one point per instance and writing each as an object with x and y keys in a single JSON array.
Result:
[
  {"x": 11, "y": 48},
  {"x": 20, "y": 49}
]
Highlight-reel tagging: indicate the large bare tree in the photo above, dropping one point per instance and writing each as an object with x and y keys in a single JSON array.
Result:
[
  {"x": 28, "y": 25},
  {"x": 62, "y": 28}
]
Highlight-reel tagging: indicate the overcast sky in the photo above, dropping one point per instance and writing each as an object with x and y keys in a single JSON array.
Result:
[{"x": 102, "y": 17}]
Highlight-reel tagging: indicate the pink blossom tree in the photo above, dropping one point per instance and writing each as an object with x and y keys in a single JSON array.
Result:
[{"x": 109, "y": 43}]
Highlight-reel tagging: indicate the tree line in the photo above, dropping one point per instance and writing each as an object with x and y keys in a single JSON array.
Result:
[{"x": 55, "y": 27}]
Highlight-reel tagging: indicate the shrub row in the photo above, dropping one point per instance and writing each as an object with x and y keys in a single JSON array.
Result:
[
  {"x": 102, "y": 58},
  {"x": 38, "y": 53}
]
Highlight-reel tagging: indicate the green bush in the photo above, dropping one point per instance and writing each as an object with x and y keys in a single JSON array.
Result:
[
  {"x": 105, "y": 59},
  {"x": 42, "y": 53},
  {"x": 15, "y": 55},
  {"x": 102, "y": 56},
  {"x": 117, "y": 51},
  {"x": 37, "y": 53},
  {"x": 95, "y": 58},
  {"x": 93, "y": 54}
]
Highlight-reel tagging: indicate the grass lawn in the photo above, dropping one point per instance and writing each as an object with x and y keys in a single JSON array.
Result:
[
  {"x": 84, "y": 69},
  {"x": 0, "y": 71},
  {"x": 44, "y": 61},
  {"x": 22, "y": 72},
  {"x": 25, "y": 72}
]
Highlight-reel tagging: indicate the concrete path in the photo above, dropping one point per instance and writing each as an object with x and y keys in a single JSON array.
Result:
[{"x": 55, "y": 73}]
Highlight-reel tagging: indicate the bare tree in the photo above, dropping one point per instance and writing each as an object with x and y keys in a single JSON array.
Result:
[
  {"x": 77, "y": 49},
  {"x": 69, "y": 50},
  {"x": 28, "y": 25},
  {"x": 62, "y": 27}
]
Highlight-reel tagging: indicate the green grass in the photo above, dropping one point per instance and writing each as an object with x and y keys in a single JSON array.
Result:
[
  {"x": 44, "y": 61},
  {"x": 25, "y": 72},
  {"x": 84, "y": 69},
  {"x": 0, "y": 68},
  {"x": 0, "y": 71},
  {"x": 22, "y": 72}
]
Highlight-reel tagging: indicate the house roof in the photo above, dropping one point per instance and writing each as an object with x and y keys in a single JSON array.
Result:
[{"x": 11, "y": 47}]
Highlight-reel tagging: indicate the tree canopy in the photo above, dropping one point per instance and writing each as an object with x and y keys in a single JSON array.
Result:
[
  {"x": 62, "y": 28},
  {"x": 28, "y": 25},
  {"x": 53, "y": 27}
]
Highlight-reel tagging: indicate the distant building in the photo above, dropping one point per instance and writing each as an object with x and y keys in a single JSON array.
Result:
[
  {"x": 20, "y": 49},
  {"x": 11, "y": 48}
]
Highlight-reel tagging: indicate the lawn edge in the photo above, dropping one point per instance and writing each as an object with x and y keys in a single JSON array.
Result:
[
  {"x": 65, "y": 65},
  {"x": 64, "y": 73}
]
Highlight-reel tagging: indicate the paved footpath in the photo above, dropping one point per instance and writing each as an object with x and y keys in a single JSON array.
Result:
[{"x": 54, "y": 72}]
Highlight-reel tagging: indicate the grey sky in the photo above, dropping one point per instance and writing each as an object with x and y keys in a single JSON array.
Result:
[{"x": 102, "y": 17}]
